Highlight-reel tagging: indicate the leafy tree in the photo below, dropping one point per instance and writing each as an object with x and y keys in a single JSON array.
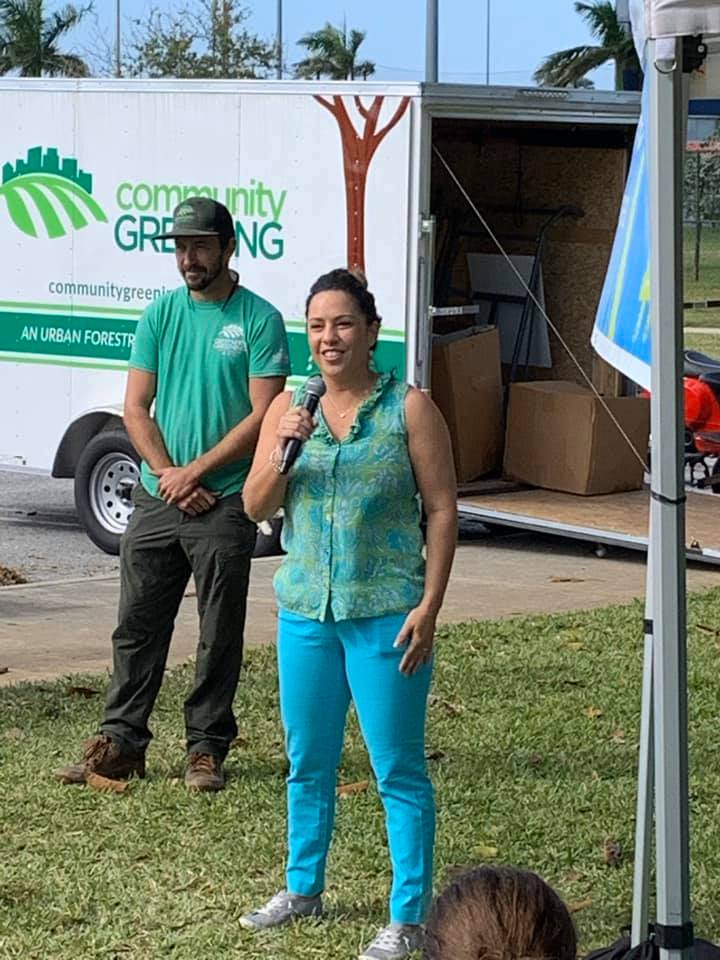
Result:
[
  {"x": 701, "y": 190},
  {"x": 204, "y": 38},
  {"x": 29, "y": 39},
  {"x": 333, "y": 53},
  {"x": 567, "y": 68}
]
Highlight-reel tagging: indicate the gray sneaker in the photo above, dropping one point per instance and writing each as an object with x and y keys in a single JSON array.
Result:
[
  {"x": 282, "y": 908},
  {"x": 394, "y": 942}
]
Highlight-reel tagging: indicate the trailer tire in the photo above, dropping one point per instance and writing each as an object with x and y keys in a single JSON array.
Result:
[{"x": 105, "y": 475}]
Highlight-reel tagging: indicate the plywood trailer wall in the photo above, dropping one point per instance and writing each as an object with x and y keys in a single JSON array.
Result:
[{"x": 515, "y": 174}]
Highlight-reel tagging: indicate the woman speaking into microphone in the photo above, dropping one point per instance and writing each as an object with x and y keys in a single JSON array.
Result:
[{"x": 358, "y": 599}]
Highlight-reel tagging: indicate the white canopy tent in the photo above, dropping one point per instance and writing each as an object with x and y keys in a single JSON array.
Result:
[
  {"x": 668, "y": 34},
  {"x": 659, "y": 19}
]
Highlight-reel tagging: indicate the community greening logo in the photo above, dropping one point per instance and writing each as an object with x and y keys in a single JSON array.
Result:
[
  {"x": 46, "y": 191},
  {"x": 49, "y": 196}
]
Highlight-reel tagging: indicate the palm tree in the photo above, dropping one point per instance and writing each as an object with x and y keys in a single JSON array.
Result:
[
  {"x": 29, "y": 39},
  {"x": 567, "y": 67},
  {"x": 333, "y": 54}
]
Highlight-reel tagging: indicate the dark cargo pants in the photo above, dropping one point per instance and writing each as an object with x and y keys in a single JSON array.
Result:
[{"x": 161, "y": 547}]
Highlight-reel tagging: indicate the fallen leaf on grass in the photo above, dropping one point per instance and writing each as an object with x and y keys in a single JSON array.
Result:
[
  {"x": 710, "y": 630},
  {"x": 535, "y": 759},
  {"x": 105, "y": 785},
  {"x": 452, "y": 709},
  {"x": 486, "y": 853},
  {"x": 566, "y": 580},
  {"x": 86, "y": 692},
  {"x": 239, "y": 742},
  {"x": 573, "y": 876},
  {"x": 352, "y": 789},
  {"x": 612, "y": 852},
  {"x": 618, "y": 736},
  {"x": 574, "y": 645},
  {"x": 576, "y": 905},
  {"x": 10, "y": 577},
  {"x": 435, "y": 755},
  {"x": 186, "y": 886},
  {"x": 593, "y": 712},
  {"x": 14, "y": 733}
]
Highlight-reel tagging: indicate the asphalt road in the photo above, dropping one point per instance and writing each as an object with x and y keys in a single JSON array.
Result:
[{"x": 40, "y": 536}]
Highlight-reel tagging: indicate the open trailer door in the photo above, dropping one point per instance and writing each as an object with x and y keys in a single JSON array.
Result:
[{"x": 545, "y": 171}]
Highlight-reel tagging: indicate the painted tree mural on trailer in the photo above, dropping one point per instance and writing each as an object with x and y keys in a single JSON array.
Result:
[{"x": 358, "y": 151}]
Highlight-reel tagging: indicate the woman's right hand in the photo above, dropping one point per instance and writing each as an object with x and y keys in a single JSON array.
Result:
[{"x": 296, "y": 422}]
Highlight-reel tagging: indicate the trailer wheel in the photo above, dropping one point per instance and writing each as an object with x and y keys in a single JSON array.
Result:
[{"x": 106, "y": 473}]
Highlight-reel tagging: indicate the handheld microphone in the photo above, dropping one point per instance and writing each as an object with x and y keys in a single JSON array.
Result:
[{"x": 315, "y": 388}]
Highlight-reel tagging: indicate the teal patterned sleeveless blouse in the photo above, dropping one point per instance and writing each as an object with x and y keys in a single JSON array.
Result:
[{"x": 352, "y": 517}]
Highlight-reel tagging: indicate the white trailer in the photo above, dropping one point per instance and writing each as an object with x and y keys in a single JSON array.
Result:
[{"x": 316, "y": 175}]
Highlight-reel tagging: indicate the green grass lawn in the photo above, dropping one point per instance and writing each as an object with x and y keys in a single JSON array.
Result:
[
  {"x": 708, "y": 343},
  {"x": 707, "y": 287},
  {"x": 703, "y": 318},
  {"x": 533, "y": 731}
]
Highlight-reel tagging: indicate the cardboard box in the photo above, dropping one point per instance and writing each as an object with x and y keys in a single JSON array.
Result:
[
  {"x": 467, "y": 387},
  {"x": 560, "y": 437}
]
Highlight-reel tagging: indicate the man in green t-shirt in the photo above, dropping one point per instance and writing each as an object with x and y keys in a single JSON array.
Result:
[{"x": 211, "y": 356}]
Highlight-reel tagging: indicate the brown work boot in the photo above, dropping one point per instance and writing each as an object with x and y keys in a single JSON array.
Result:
[
  {"x": 204, "y": 772},
  {"x": 103, "y": 756}
]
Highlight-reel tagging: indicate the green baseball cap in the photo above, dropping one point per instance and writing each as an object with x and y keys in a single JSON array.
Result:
[{"x": 200, "y": 217}]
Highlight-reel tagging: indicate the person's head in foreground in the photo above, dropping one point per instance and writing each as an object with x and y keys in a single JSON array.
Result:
[{"x": 499, "y": 913}]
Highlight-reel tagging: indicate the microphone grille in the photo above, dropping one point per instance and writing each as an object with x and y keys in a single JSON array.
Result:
[{"x": 316, "y": 386}]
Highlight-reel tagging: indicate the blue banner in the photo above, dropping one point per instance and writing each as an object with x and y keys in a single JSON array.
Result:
[{"x": 622, "y": 325}]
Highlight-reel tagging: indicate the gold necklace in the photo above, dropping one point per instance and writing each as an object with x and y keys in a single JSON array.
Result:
[{"x": 343, "y": 413}]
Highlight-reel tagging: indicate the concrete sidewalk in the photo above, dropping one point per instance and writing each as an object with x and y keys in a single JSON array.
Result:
[{"x": 50, "y": 630}]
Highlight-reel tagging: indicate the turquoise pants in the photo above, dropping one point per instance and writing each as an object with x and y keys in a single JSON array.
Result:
[{"x": 322, "y": 666}]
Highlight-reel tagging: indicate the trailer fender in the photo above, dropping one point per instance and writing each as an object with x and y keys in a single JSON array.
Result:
[{"x": 80, "y": 433}]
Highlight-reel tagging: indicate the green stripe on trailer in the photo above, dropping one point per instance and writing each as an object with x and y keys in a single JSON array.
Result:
[
  {"x": 388, "y": 355},
  {"x": 66, "y": 337},
  {"x": 105, "y": 341}
]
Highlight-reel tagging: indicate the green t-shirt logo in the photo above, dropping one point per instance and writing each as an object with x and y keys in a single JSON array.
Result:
[{"x": 231, "y": 340}]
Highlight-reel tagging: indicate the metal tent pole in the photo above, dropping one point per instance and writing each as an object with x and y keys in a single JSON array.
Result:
[
  {"x": 666, "y": 146},
  {"x": 487, "y": 44},
  {"x": 431, "y": 42},
  {"x": 118, "y": 61},
  {"x": 644, "y": 809}
]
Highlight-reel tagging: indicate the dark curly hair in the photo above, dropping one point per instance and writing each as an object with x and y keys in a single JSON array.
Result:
[
  {"x": 499, "y": 913},
  {"x": 352, "y": 282}
]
